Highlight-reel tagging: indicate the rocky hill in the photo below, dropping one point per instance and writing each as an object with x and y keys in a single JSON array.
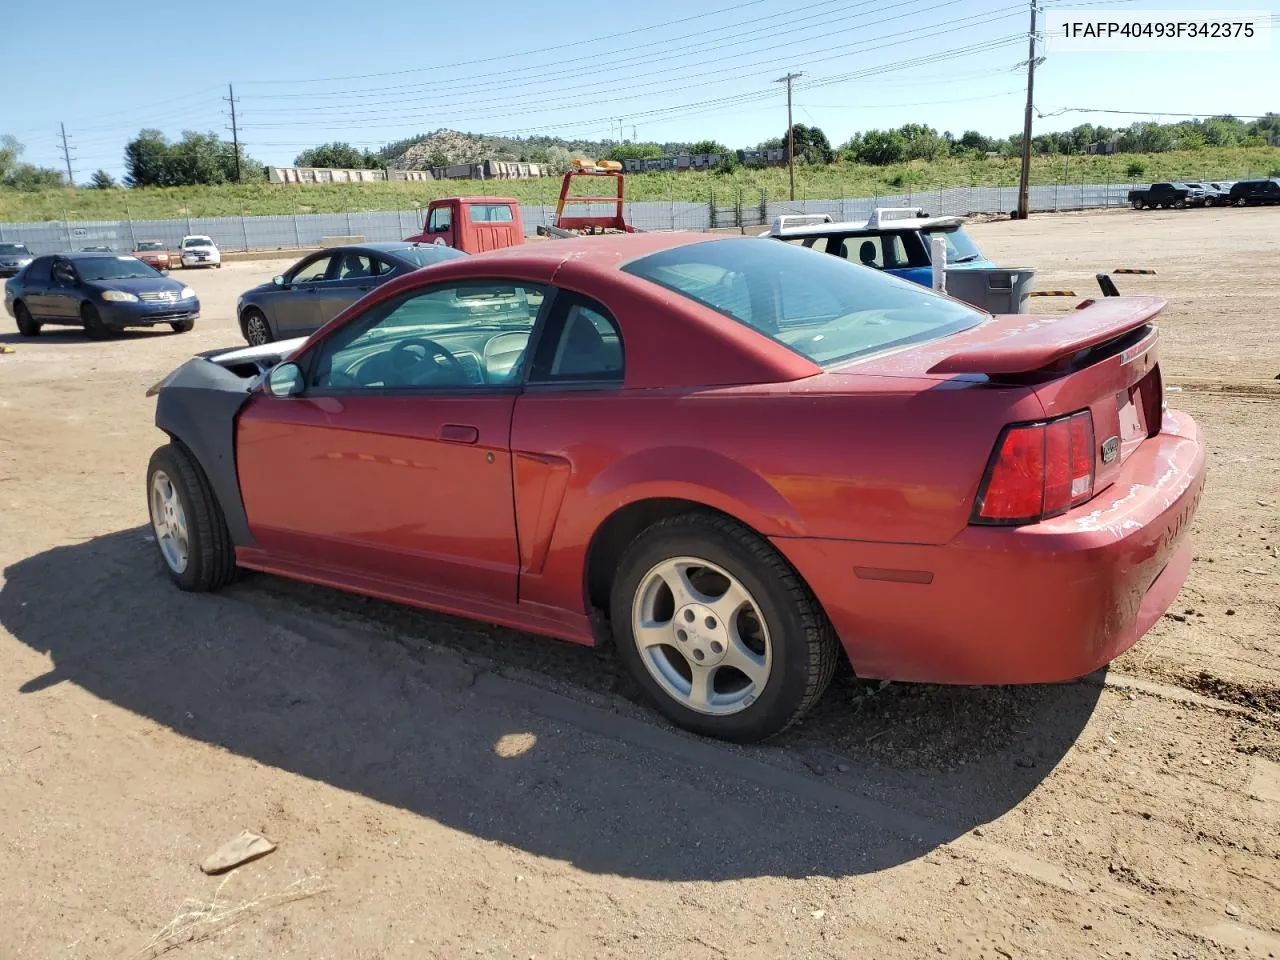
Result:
[{"x": 452, "y": 146}]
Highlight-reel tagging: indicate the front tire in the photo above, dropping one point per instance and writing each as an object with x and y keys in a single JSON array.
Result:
[
  {"x": 719, "y": 631},
  {"x": 1137, "y": 204},
  {"x": 187, "y": 522},
  {"x": 93, "y": 324},
  {"x": 257, "y": 332},
  {"x": 27, "y": 324},
  {"x": 183, "y": 326}
]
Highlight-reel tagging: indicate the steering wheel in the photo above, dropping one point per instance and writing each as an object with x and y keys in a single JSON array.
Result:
[{"x": 398, "y": 357}]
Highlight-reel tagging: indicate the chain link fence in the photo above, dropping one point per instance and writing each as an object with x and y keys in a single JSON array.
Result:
[{"x": 721, "y": 209}]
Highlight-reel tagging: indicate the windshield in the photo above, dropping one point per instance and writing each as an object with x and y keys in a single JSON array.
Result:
[
  {"x": 960, "y": 246},
  {"x": 113, "y": 268},
  {"x": 10, "y": 249},
  {"x": 197, "y": 242},
  {"x": 822, "y": 307},
  {"x": 150, "y": 245},
  {"x": 429, "y": 253}
]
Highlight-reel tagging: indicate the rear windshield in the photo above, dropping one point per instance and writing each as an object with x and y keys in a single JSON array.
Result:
[
  {"x": 490, "y": 213},
  {"x": 429, "y": 253},
  {"x": 150, "y": 245},
  {"x": 822, "y": 307},
  {"x": 12, "y": 248}
]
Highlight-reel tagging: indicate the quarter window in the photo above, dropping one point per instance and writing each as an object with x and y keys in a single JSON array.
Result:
[{"x": 582, "y": 345}]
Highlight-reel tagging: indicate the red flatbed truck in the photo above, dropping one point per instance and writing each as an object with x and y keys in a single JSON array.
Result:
[{"x": 472, "y": 224}]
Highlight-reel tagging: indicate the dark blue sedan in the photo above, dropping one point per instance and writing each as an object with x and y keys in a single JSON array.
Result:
[
  {"x": 104, "y": 293},
  {"x": 321, "y": 285}
]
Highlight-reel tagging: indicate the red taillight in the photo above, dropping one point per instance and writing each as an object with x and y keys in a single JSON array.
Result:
[{"x": 1038, "y": 470}]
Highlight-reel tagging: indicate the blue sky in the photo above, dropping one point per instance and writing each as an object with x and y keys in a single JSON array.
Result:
[{"x": 367, "y": 73}]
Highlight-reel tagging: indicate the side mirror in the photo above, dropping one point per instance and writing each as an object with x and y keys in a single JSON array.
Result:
[
  {"x": 285, "y": 380},
  {"x": 278, "y": 281}
]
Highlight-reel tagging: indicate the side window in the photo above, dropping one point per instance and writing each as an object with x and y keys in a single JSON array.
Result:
[
  {"x": 867, "y": 251},
  {"x": 39, "y": 270},
  {"x": 813, "y": 243},
  {"x": 462, "y": 336},
  {"x": 441, "y": 220},
  {"x": 582, "y": 344},
  {"x": 357, "y": 266},
  {"x": 314, "y": 271},
  {"x": 62, "y": 272},
  {"x": 378, "y": 267}
]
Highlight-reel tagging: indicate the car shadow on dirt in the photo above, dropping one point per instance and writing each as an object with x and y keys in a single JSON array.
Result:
[
  {"x": 877, "y": 777},
  {"x": 60, "y": 335}
]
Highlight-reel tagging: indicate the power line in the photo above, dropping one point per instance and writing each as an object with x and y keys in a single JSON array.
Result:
[
  {"x": 514, "y": 107},
  {"x": 562, "y": 46}
]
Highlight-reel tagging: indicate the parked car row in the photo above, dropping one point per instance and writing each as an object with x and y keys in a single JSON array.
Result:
[
  {"x": 1179, "y": 194},
  {"x": 195, "y": 250}
]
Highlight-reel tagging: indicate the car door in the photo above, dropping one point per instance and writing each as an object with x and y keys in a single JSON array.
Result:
[
  {"x": 393, "y": 464},
  {"x": 64, "y": 296},
  {"x": 354, "y": 273},
  {"x": 37, "y": 281},
  {"x": 296, "y": 305},
  {"x": 442, "y": 228}
]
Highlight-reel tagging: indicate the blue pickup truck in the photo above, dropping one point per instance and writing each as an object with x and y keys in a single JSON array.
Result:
[{"x": 898, "y": 240}]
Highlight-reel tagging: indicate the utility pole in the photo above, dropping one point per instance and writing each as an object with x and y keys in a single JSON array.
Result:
[
  {"x": 235, "y": 131},
  {"x": 66, "y": 155},
  {"x": 1024, "y": 178},
  {"x": 791, "y": 131}
]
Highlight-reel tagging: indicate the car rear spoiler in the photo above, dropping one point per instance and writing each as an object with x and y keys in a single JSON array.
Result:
[{"x": 1029, "y": 344}]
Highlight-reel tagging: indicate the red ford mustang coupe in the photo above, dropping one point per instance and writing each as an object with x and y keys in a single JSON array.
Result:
[{"x": 732, "y": 457}]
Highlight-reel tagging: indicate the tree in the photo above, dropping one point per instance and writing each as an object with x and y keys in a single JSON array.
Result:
[
  {"x": 880, "y": 148},
  {"x": 341, "y": 156},
  {"x": 633, "y": 151},
  {"x": 146, "y": 160},
  {"x": 702, "y": 147},
  {"x": 101, "y": 180},
  {"x": 811, "y": 146},
  {"x": 198, "y": 158},
  {"x": 24, "y": 176}
]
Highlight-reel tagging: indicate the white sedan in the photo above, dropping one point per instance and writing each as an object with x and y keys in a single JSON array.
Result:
[{"x": 200, "y": 251}]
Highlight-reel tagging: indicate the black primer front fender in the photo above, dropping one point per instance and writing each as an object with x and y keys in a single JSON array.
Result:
[{"x": 197, "y": 406}]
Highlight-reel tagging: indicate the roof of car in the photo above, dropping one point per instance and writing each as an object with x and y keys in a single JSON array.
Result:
[
  {"x": 603, "y": 250},
  {"x": 94, "y": 255},
  {"x": 866, "y": 226}
]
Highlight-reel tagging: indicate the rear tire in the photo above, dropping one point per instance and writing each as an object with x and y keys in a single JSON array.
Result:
[
  {"x": 741, "y": 604},
  {"x": 93, "y": 324},
  {"x": 257, "y": 331},
  {"x": 27, "y": 324},
  {"x": 187, "y": 522},
  {"x": 183, "y": 326}
]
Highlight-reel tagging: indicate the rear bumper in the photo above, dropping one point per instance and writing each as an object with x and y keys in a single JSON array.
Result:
[{"x": 1043, "y": 603}]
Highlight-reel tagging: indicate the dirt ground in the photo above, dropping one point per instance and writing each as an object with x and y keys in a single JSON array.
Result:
[{"x": 442, "y": 789}]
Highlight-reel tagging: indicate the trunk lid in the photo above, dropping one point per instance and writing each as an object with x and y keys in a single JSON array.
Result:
[{"x": 1103, "y": 357}]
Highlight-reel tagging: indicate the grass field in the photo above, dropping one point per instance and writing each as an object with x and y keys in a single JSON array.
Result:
[{"x": 829, "y": 182}]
